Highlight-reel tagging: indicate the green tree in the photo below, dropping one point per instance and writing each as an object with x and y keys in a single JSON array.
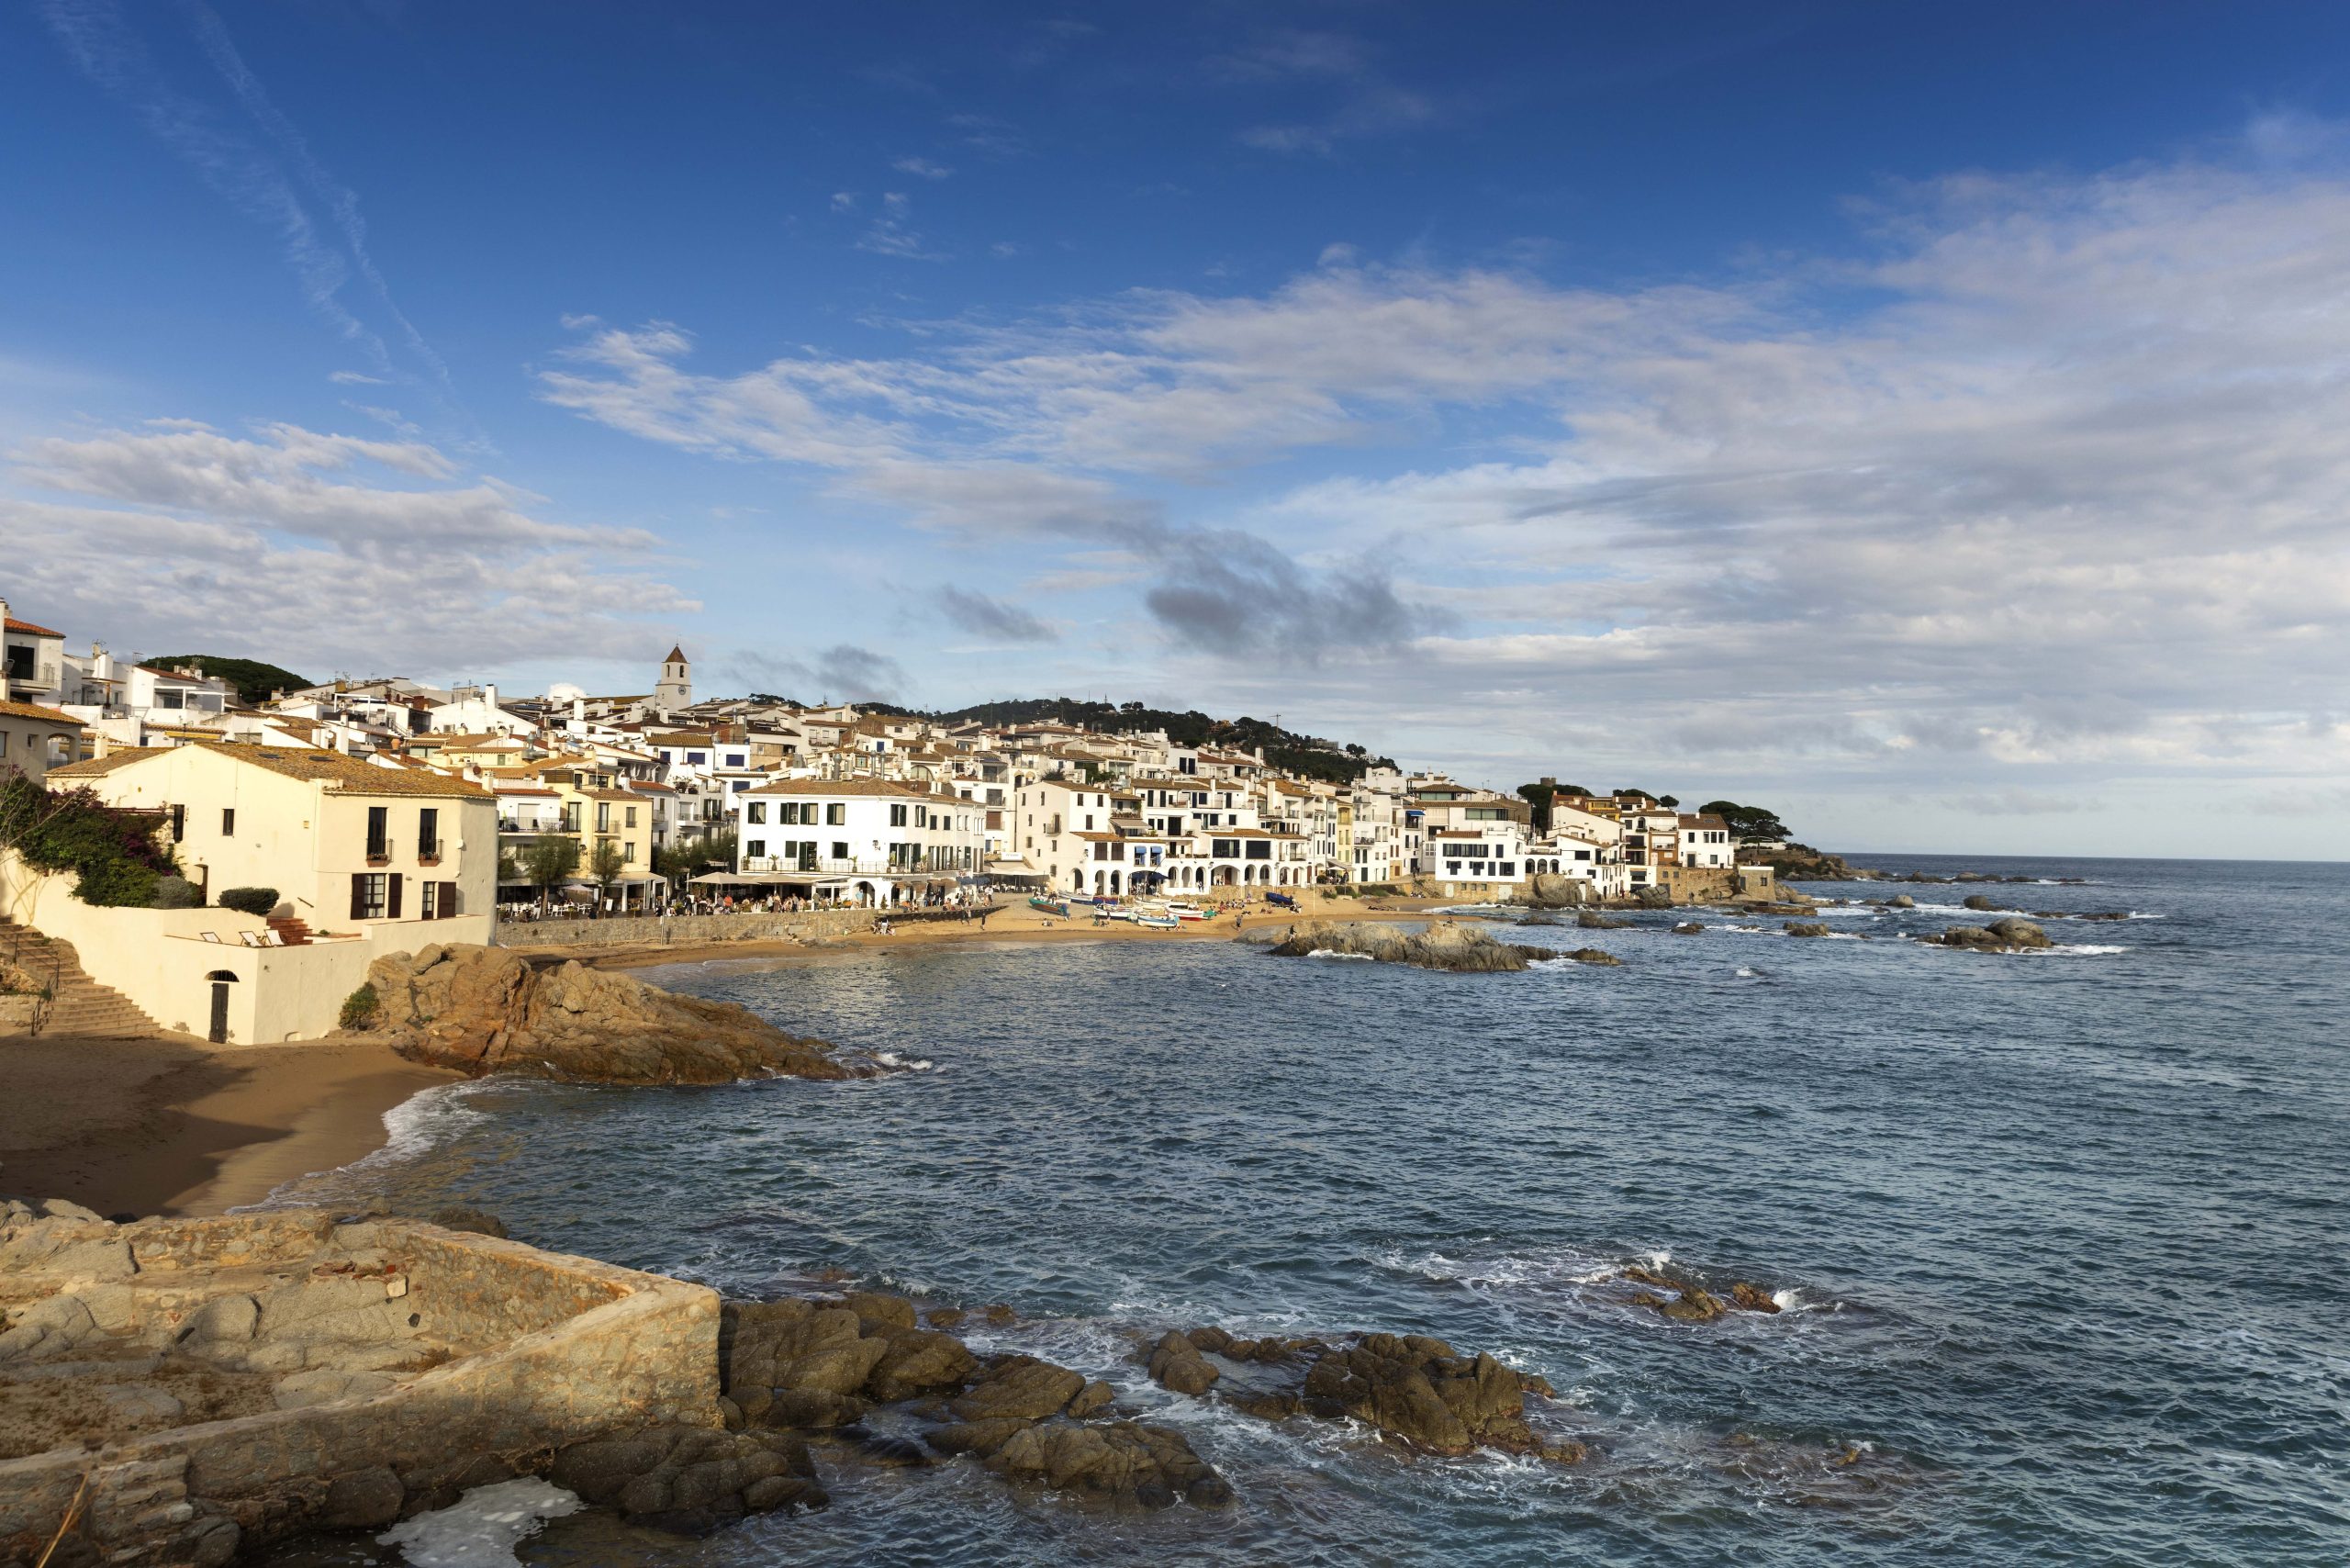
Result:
[
  {"x": 605, "y": 867},
  {"x": 1748, "y": 824},
  {"x": 547, "y": 861}
]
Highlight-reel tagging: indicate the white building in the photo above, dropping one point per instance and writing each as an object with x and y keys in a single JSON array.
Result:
[{"x": 858, "y": 840}]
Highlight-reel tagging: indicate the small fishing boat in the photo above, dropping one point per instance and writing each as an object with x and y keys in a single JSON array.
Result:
[
  {"x": 1186, "y": 911},
  {"x": 1157, "y": 922},
  {"x": 1050, "y": 906},
  {"x": 1282, "y": 899}
]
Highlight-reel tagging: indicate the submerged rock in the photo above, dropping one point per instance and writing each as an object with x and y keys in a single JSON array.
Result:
[
  {"x": 1689, "y": 928},
  {"x": 1592, "y": 920},
  {"x": 1805, "y": 928},
  {"x": 1123, "y": 1459},
  {"x": 1600, "y": 956},
  {"x": 483, "y": 1009},
  {"x": 2010, "y": 936}
]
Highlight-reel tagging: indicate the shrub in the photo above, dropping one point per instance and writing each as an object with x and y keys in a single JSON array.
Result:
[
  {"x": 113, "y": 852},
  {"x": 175, "y": 892},
  {"x": 248, "y": 901},
  {"x": 359, "y": 1007}
]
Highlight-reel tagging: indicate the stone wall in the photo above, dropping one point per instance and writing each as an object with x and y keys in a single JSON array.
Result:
[
  {"x": 685, "y": 930},
  {"x": 541, "y": 1351}
]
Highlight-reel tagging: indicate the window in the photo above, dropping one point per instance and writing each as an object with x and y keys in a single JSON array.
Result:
[
  {"x": 897, "y": 816},
  {"x": 836, "y": 815},
  {"x": 168, "y": 698},
  {"x": 631, "y": 813},
  {"x": 756, "y": 849},
  {"x": 697, "y": 757},
  {"x": 227, "y": 821},
  {"x": 428, "y": 906},
  {"x": 369, "y": 893},
  {"x": 179, "y": 824},
  {"x": 840, "y": 850},
  {"x": 628, "y": 854},
  {"x": 756, "y": 811},
  {"x": 428, "y": 833},
  {"x": 603, "y": 816},
  {"x": 379, "y": 823}
]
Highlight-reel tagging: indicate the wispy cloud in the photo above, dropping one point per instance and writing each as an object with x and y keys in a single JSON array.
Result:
[
  {"x": 921, "y": 168},
  {"x": 278, "y": 181},
  {"x": 1367, "y": 102},
  {"x": 891, "y": 232}
]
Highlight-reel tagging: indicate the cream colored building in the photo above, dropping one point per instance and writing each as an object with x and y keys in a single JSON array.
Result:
[
  {"x": 365, "y": 860},
  {"x": 34, "y": 739}
]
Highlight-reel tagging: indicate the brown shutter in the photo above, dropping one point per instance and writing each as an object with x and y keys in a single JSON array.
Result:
[
  {"x": 392, "y": 897},
  {"x": 448, "y": 899},
  {"x": 358, "y": 894}
]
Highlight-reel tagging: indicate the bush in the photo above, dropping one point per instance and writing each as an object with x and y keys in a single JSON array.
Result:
[
  {"x": 175, "y": 892},
  {"x": 248, "y": 901},
  {"x": 113, "y": 852},
  {"x": 359, "y": 1007}
]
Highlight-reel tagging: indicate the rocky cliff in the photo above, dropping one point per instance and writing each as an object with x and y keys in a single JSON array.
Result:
[{"x": 483, "y": 1009}]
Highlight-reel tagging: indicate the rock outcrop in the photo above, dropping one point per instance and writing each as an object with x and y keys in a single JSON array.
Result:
[
  {"x": 1445, "y": 946},
  {"x": 484, "y": 1010},
  {"x": 691, "y": 1479},
  {"x": 2013, "y": 935},
  {"x": 1805, "y": 928},
  {"x": 1547, "y": 890},
  {"x": 1802, "y": 863}
]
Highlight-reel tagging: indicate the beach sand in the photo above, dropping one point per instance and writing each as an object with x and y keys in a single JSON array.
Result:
[{"x": 173, "y": 1125}]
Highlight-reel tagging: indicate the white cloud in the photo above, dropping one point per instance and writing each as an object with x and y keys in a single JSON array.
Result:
[
  {"x": 310, "y": 548},
  {"x": 2043, "y": 475},
  {"x": 921, "y": 168}
]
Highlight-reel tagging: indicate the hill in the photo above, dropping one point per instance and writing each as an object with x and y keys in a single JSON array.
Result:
[
  {"x": 1309, "y": 756},
  {"x": 253, "y": 679}
]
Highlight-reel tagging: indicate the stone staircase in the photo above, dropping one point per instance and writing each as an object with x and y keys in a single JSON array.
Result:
[
  {"x": 80, "y": 1007},
  {"x": 294, "y": 931}
]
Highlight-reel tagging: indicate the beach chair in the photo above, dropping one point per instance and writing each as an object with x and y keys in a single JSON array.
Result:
[
  {"x": 210, "y": 936},
  {"x": 249, "y": 938}
]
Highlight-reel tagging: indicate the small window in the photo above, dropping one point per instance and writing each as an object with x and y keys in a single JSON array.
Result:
[
  {"x": 836, "y": 815},
  {"x": 631, "y": 813},
  {"x": 227, "y": 821},
  {"x": 755, "y": 849},
  {"x": 897, "y": 816},
  {"x": 840, "y": 850},
  {"x": 430, "y": 905},
  {"x": 628, "y": 854}
]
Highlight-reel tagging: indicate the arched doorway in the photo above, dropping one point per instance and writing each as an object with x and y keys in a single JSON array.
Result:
[{"x": 221, "y": 980}]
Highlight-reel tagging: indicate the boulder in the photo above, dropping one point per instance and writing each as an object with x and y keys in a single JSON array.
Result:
[
  {"x": 1419, "y": 1392},
  {"x": 1691, "y": 1304},
  {"x": 1752, "y": 1298},
  {"x": 980, "y": 1438},
  {"x": 1805, "y": 928},
  {"x": 690, "y": 1478},
  {"x": 476, "y": 1222},
  {"x": 1688, "y": 928},
  {"x": 1653, "y": 897},
  {"x": 1020, "y": 1387},
  {"x": 1176, "y": 1364},
  {"x": 919, "y": 1361},
  {"x": 1123, "y": 1460},
  {"x": 795, "y": 1363},
  {"x": 1592, "y": 920},
  {"x": 361, "y": 1499},
  {"x": 1981, "y": 902},
  {"x": 483, "y": 1009},
  {"x": 1901, "y": 900},
  {"x": 2010, "y": 935},
  {"x": 1445, "y": 945},
  {"x": 1547, "y": 890},
  {"x": 1596, "y": 956}
]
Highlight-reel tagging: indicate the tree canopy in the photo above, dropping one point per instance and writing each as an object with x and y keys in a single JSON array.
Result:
[{"x": 253, "y": 679}]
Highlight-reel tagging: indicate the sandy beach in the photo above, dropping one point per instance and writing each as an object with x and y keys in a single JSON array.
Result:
[{"x": 173, "y": 1125}]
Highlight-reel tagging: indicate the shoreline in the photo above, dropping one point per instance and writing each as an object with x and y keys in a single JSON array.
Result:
[{"x": 176, "y": 1126}]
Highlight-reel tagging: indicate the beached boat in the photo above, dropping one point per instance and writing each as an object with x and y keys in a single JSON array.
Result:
[
  {"x": 1186, "y": 911},
  {"x": 1157, "y": 922},
  {"x": 1050, "y": 906}
]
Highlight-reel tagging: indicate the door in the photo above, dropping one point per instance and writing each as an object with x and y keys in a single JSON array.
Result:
[{"x": 219, "y": 1034}]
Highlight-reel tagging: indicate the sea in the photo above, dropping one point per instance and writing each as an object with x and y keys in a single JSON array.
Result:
[{"x": 2061, "y": 1241}]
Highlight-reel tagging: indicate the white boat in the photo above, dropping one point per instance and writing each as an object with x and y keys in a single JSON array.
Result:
[
  {"x": 1157, "y": 922},
  {"x": 1186, "y": 911}
]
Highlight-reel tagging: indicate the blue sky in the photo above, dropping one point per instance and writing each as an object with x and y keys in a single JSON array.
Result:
[{"x": 1925, "y": 419}]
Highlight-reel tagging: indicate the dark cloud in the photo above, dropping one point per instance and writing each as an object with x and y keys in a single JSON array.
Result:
[
  {"x": 991, "y": 618},
  {"x": 1226, "y": 592},
  {"x": 842, "y": 673}
]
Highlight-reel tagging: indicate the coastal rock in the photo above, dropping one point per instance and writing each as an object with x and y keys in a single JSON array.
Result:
[
  {"x": 1547, "y": 890},
  {"x": 1805, "y": 928},
  {"x": 1802, "y": 863},
  {"x": 1688, "y": 928},
  {"x": 1538, "y": 920},
  {"x": 2010, "y": 935},
  {"x": 1419, "y": 1391},
  {"x": 483, "y": 1009},
  {"x": 1690, "y": 1303},
  {"x": 1596, "y": 956},
  {"x": 691, "y": 1479},
  {"x": 1901, "y": 900},
  {"x": 1020, "y": 1388},
  {"x": 1653, "y": 897},
  {"x": 1592, "y": 920},
  {"x": 919, "y": 1361},
  {"x": 796, "y": 1363},
  {"x": 1176, "y": 1364},
  {"x": 980, "y": 1438},
  {"x": 1124, "y": 1460},
  {"x": 1982, "y": 902},
  {"x": 1445, "y": 946},
  {"x": 1752, "y": 1298}
]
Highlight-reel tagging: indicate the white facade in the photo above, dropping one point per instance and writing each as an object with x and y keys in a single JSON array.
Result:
[{"x": 871, "y": 841}]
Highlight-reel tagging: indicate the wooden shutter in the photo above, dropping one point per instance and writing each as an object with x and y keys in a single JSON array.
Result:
[
  {"x": 448, "y": 899},
  {"x": 358, "y": 895},
  {"x": 392, "y": 896}
]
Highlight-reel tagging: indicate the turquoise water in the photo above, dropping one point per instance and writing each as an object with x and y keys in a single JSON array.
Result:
[{"x": 2061, "y": 1237}]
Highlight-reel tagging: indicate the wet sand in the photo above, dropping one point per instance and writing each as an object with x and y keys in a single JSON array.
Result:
[{"x": 173, "y": 1125}]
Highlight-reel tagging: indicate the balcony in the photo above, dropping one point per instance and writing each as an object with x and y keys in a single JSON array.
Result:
[{"x": 379, "y": 852}]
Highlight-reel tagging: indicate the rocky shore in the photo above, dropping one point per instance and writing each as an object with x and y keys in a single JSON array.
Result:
[
  {"x": 482, "y": 1009},
  {"x": 1443, "y": 945}
]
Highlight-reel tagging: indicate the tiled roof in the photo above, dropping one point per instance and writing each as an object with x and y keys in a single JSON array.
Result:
[
  {"x": 30, "y": 630},
  {"x": 35, "y": 711},
  {"x": 347, "y": 775},
  {"x": 99, "y": 766},
  {"x": 886, "y": 787}
]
